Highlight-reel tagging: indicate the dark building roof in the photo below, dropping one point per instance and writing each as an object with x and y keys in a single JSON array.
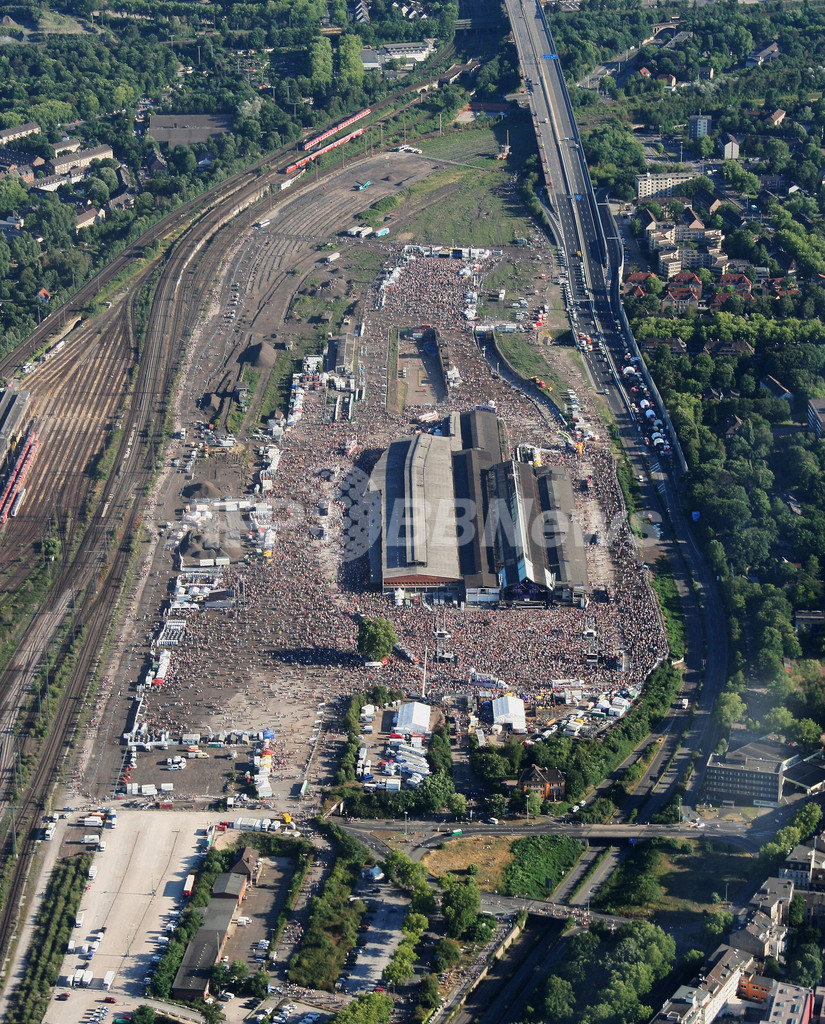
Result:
[
  {"x": 184, "y": 129},
  {"x": 229, "y": 884},
  {"x": 246, "y": 862},
  {"x": 455, "y": 508},
  {"x": 565, "y": 545},
  {"x": 204, "y": 951}
]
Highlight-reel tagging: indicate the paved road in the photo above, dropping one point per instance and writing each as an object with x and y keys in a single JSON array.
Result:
[{"x": 586, "y": 231}]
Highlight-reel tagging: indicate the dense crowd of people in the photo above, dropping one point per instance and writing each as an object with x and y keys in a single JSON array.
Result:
[{"x": 292, "y": 641}]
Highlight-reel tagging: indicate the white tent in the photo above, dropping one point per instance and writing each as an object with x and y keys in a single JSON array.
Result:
[
  {"x": 509, "y": 710},
  {"x": 414, "y": 717}
]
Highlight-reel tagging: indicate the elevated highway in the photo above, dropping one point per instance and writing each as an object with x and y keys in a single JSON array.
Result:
[{"x": 585, "y": 229}]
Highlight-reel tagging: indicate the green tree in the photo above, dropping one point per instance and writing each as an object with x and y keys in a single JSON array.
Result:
[
  {"x": 457, "y": 805},
  {"x": 447, "y": 953},
  {"x": 428, "y": 992},
  {"x": 349, "y": 59},
  {"x": 376, "y": 639},
  {"x": 729, "y": 708},
  {"x": 778, "y": 720},
  {"x": 258, "y": 984},
  {"x": 533, "y": 804},
  {"x": 796, "y": 911},
  {"x": 212, "y": 1013},
  {"x": 321, "y": 63},
  {"x": 460, "y": 904},
  {"x": 559, "y": 1001},
  {"x": 807, "y": 733},
  {"x": 497, "y": 805},
  {"x": 144, "y": 1014}
]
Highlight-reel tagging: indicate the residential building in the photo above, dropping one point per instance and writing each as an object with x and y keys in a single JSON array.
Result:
[
  {"x": 88, "y": 217},
  {"x": 66, "y": 145},
  {"x": 82, "y": 158},
  {"x": 776, "y": 389},
  {"x": 52, "y": 182},
  {"x": 549, "y": 783},
  {"x": 716, "y": 986},
  {"x": 738, "y": 284},
  {"x": 706, "y": 74},
  {"x": 706, "y": 201},
  {"x": 816, "y": 415},
  {"x": 774, "y": 899},
  {"x": 809, "y": 619},
  {"x": 21, "y": 131},
  {"x": 247, "y": 863},
  {"x": 759, "y": 57},
  {"x": 790, "y": 1004},
  {"x": 755, "y": 988},
  {"x": 638, "y": 279},
  {"x": 776, "y": 118},
  {"x": 679, "y": 300},
  {"x": 805, "y": 867},
  {"x": 650, "y": 186},
  {"x": 699, "y": 126},
  {"x": 13, "y": 225},
  {"x": 729, "y": 146},
  {"x": 687, "y": 279},
  {"x": 761, "y": 937},
  {"x": 649, "y": 345}
]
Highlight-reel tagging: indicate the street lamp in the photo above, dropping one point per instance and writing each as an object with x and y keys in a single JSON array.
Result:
[{"x": 406, "y": 815}]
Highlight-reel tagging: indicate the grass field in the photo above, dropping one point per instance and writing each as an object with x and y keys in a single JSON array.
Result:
[
  {"x": 671, "y": 604},
  {"x": 528, "y": 361},
  {"x": 473, "y": 209},
  {"x": 492, "y": 855},
  {"x": 690, "y": 882},
  {"x": 279, "y": 382}
]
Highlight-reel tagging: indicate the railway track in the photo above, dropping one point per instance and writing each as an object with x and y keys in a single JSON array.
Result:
[{"x": 99, "y": 552}]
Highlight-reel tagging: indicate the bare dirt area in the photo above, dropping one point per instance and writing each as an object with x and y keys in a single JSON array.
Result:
[
  {"x": 491, "y": 854},
  {"x": 281, "y": 658}
]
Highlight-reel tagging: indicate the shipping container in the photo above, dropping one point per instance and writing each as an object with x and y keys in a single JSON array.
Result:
[{"x": 333, "y": 256}]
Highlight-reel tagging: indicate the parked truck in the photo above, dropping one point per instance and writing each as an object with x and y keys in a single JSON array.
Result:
[{"x": 108, "y": 978}]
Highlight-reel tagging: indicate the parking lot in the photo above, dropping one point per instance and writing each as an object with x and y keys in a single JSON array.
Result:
[
  {"x": 380, "y": 937},
  {"x": 140, "y": 878},
  {"x": 261, "y": 905}
]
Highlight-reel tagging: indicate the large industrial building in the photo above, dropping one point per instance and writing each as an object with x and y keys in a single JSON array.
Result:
[{"x": 452, "y": 513}]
